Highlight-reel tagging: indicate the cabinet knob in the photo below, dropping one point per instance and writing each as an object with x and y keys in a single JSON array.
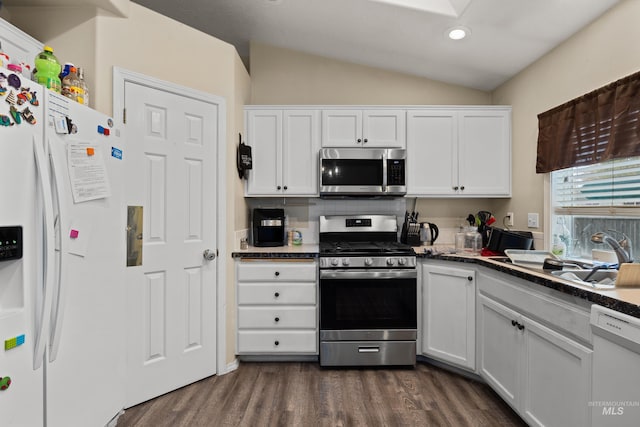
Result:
[
  {"x": 285, "y": 187},
  {"x": 470, "y": 278},
  {"x": 455, "y": 188},
  {"x": 520, "y": 326},
  {"x": 514, "y": 323},
  {"x": 462, "y": 188},
  {"x": 277, "y": 343},
  {"x": 366, "y": 140},
  {"x": 277, "y": 273},
  {"x": 278, "y": 187},
  {"x": 359, "y": 140},
  {"x": 277, "y": 294},
  {"x": 277, "y": 319}
]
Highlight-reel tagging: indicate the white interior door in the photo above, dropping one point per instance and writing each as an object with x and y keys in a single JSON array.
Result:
[{"x": 172, "y": 143}]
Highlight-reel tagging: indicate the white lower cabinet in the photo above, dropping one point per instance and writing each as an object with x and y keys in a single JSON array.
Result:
[
  {"x": 448, "y": 314},
  {"x": 277, "y": 307},
  {"x": 542, "y": 374}
]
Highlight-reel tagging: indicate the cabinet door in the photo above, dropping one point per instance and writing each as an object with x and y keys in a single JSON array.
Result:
[
  {"x": 432, "y": 152},
  {"x": 264, "y": 135},
  {"x": 556, "y": 369},
  {"x": 384, "y": 128},
  {"x": 300, "y": 146},
  {"x": 342, "y": 128},
  {"x": 500, "y": 349},
  {"x": 448, "y": 322},
  {"x": 484, "y": 153}
]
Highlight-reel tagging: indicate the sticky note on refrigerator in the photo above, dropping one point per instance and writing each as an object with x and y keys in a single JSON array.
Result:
[
  {"x": 90, "y": 151},
  {"x": 80, "y": 231}
]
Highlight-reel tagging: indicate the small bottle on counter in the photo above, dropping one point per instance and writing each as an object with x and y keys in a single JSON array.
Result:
[
  {"x": 558, "y": 248},
  {"x": 472, "y": 241}
]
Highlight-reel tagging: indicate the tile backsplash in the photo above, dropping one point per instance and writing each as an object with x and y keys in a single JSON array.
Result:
[{"x": 303, "y": 215}]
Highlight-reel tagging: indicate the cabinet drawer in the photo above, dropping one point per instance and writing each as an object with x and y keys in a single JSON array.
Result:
[
  {"x": 277, "y": 293},
  {"x": 276, "y": 317},
  {"x": 277, "y": 342},
  {"x": 277, "y": 271}
]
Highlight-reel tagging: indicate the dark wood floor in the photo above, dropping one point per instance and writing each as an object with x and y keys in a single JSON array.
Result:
[{"x": 303, "y": 394}]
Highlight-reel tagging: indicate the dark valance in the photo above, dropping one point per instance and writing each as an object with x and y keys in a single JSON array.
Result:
[{"x": 601, "y": 125}]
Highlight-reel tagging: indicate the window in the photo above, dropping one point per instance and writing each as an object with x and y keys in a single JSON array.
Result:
[
  {"x": 599, "y": 197},
  {"x": 591, "y": 147}
]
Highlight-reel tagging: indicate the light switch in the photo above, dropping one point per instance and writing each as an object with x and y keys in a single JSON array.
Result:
[{"x": 532, "y": 220}]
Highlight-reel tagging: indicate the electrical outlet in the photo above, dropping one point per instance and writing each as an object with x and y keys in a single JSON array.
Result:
[
  {"x": 532, "y": 220},
  {"x": 509, "y": 219}
]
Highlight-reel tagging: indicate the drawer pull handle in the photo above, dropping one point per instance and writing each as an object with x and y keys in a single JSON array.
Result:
[
  {"x": 277, "y": 294},
  {"x": 277, "y": 273},
  {"x": 277, "y": 343},
  {"x": 368, "y": 349},
  {"x": 277, "y": 319}
]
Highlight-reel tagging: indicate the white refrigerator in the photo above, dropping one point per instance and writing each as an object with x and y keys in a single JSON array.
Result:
[{"x": 62, "y": 260}]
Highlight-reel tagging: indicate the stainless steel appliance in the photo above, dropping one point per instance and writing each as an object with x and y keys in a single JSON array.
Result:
[
  {"x": 362, "y": 172},
  {"x": 368, "y": 300},
  {"x": 268, "y": 227}
]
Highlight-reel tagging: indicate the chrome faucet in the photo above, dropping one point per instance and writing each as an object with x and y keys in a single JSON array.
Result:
[{"x": 622, "y": 248}]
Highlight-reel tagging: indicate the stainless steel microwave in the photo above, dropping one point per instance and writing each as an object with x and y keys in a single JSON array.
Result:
[{"x": 362, "y": 172}]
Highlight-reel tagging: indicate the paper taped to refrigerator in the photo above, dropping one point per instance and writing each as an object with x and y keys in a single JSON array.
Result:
[{"x": 87, "y": 172}]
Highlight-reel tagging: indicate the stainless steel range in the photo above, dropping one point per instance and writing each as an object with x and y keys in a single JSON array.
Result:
[{"x": 368, "y": 299}]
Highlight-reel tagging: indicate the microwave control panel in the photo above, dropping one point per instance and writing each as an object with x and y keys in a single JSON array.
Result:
[
  {"x": 10, "y": 243},
  {"x": 395, "y": 172}
]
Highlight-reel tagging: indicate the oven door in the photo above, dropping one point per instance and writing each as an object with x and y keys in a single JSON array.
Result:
[
  {"x": 351, "y": 176},
  {"x": 368, "y": 304}
]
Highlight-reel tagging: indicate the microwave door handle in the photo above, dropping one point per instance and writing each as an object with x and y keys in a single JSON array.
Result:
[{"x": 384, "y": 172}]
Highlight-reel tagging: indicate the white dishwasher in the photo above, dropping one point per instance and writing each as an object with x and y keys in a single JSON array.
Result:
[{"x": 616, "y": 368}]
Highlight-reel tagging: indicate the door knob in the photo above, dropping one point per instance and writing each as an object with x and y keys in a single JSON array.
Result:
[{"x": 208, "y": 254}]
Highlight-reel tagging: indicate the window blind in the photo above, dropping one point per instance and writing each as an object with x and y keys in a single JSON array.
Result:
[
  {"x": 596, "y": 127},
  {"x": 615, "y": 183}
]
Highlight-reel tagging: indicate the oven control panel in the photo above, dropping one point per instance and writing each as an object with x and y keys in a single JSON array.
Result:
[
  {"x": 10, "y": 243},
  {"x": 368, "y": 262}
]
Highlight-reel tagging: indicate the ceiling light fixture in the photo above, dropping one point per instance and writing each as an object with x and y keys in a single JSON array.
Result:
[{"x": 458, "y": 33}]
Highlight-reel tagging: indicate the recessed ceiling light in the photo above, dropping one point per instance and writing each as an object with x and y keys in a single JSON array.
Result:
[{"x": 458, "y": 33}]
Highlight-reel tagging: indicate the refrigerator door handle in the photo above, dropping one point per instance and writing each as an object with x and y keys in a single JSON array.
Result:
[
  {"x": 49, "y": 255},
  {"x": 57, "y": 306}
]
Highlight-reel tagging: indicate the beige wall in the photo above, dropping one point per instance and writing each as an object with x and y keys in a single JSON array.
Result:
[
  {"x": 282, "y": 76},
  {"x": 603, "y": 52},
  {"x": 151, "y": 44}
]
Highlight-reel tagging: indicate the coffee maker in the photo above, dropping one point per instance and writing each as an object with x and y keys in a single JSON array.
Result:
[{"x": 268, "y": 227}]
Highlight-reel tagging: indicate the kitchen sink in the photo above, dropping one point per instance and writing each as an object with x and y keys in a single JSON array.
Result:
[{"x": 600, "y": 279}]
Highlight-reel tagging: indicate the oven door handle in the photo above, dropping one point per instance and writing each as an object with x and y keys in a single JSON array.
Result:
[
  {"x": 384, "y": 172},
  {"x": 369, "y": 274}
]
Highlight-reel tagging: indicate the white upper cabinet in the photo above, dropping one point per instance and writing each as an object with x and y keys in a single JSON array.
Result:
[
  {"x": 284, "y": 147},
  {"x": 364, "y": 128},
  {"x": 459, "y": 152}
]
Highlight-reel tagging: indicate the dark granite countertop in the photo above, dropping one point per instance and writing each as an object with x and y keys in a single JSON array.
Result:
[
  {"x": 623, "y": 299},
  {"x": 301, "y": 251}
]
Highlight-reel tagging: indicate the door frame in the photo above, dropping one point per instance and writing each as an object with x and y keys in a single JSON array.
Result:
[{"x": 120, "y": 77}]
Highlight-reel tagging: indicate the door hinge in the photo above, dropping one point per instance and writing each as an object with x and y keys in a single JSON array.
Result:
[{"x": 124, "y": 115}]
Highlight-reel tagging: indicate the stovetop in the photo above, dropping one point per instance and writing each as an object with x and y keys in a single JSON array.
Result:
[{"x": 346, "y": 248}]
